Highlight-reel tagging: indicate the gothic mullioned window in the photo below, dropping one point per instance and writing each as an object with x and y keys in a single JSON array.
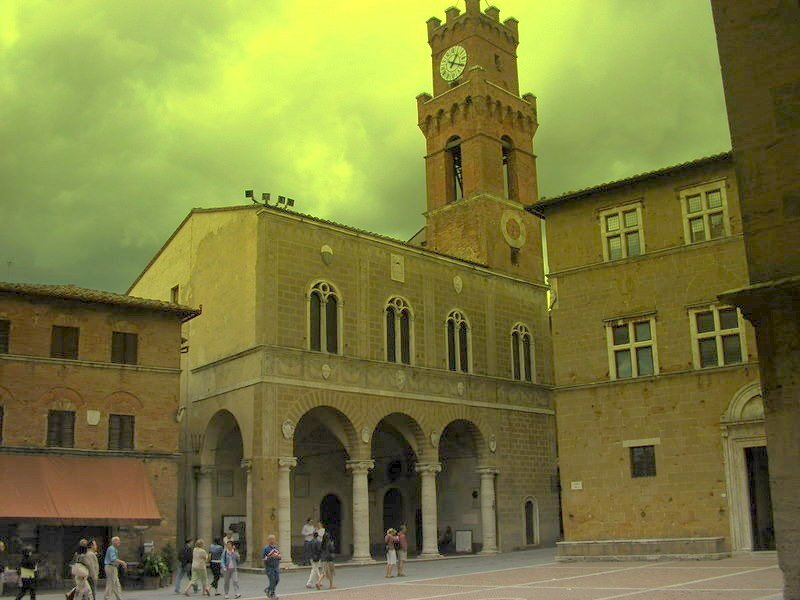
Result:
[
  {"x": 324, "y": 308},
  {"x": 459, "y": 344},
  {"x": 399, "y": 326},
  {"x": 521, "y": 353}
]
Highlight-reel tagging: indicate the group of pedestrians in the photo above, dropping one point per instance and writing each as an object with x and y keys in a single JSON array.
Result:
[
  {"x": 222, "y": 558},
  {"x": 320, "y": 553},
  {"x": 396, "y": 551}
]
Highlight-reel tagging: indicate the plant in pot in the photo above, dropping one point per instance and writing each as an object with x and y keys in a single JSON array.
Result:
[{"x": 154, "y": 567}]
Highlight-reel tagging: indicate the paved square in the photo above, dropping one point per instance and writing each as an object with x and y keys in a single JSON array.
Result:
[{"x": 530, "y": 575}]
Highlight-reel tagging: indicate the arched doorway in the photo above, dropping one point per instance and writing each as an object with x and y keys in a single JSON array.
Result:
[
  {"x": 330, "y": 512},
  {"x": 322, "y": 488},
  {"x": 393, "y": 515},
  {"x": 394, "y": 484},
  {"x": 222, "y": 483},
  {"x": 531, "y": 522},
  {"x": 460, "y": 483},
  {"x": 747, "y": 471}
]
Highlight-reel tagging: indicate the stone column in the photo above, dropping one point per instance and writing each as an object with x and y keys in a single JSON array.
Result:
[
  {"x": 359, "y": 470},
  {"x": 430, "y": 542},
  {"x": 205, "y": 476},
  {"x": 488, "y": 509},
  {"x": 285, "y": 466},
  {"x": 247, "y": 473}
]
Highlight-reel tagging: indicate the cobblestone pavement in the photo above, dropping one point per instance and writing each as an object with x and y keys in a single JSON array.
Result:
[{"x": 531, "y": 575}]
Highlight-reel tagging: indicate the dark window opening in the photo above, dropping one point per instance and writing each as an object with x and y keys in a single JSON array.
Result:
[
  {"x": 391, "y": 340},
  {"x": 643, "y": 461},
  {"x": 1, "y": 423},
  {"x": 5, "y": 331},
  {"x": 405, "y": 338},
  {"x": 761, "y": 520},
  {"x": 120, "y": 432},
  {"x": 64, "y": 342},
  {"x": 174, "y": 294},
  {"x": 61, "y": 428},
  {"x": 463, "y": 347},
  {"x": 454, "y": 170},
  {"x": 526, "y": 357},
  {"x": 451, "y": 345},
  {"x": 315, "y": 321},
  {"x": 332, "y": 325},
  {"x": 124, "y": 348},
  {"x": 509, "y": 172}
]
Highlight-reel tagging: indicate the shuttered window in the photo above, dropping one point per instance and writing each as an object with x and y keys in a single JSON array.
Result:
[
  {"x": 2, "y": 414},
  {"x": 124, "y": 348},
  {"x": 64, "y": 342},
  {"x": 120, "y": 432},
  {"x": 5, "y": 330},
  {"x": 61, "y": 428}
]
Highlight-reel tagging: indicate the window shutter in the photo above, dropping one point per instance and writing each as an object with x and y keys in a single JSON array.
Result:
[
  {"x": 68, "y": 430},
  {"x": 117, "y": 347}
]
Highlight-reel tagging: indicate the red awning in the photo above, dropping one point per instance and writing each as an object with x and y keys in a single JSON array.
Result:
[{"x": 76, "y": 489}]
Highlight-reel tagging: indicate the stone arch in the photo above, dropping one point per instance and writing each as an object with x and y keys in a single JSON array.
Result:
[
  {"x": 62, "y": 398},
  {"x": 121, "y": 400},
  {"x": 221, "y": 423},
  {"x": 409, "y": 428},
  {"x": 746, "y": 405},
  {"x": 341, "y": 423},
  {"x": 5, "y": 395},
  {"x": 479, "y": 440},
  {"x": 336, "y": 422}
]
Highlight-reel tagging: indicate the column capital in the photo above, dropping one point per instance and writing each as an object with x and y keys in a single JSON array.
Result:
[
  {"x": 205, "y": 470},
  {"x": 428, "y": 469},
  {"x": 360, "y": 466},
  {"x": 487, "y": 471},
  {"x": 287, "y": 463},
  {"x": 246, "y": 464}
]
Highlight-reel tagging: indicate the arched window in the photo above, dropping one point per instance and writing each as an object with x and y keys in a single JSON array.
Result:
[
  {"x": 509, "y": 172},
  {"x": 323, "y": 318},
  {"x": 521, "y": 353},
  {"x": 399, "y": 324},
  {"x": 458, "y": 342},
  {"x": 453, "y": 171}
]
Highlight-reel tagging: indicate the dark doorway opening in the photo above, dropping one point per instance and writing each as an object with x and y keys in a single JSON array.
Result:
[
  {"x": 392, "y": 509},
  {"x": 760, "y": 499},
  {"x": 530, "y": 533},
  {"x": 330, "y": 511}
]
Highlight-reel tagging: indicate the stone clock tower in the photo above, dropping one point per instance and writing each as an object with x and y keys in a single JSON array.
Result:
[{"x": 480, "y": 166}]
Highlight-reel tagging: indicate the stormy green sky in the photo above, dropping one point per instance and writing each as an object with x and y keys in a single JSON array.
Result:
[{"x": 116, "y": 118}]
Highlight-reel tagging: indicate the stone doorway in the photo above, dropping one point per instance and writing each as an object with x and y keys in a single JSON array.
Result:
[
  {"x": 747, "y": 471},
  {"x": 757, "y": 464}
]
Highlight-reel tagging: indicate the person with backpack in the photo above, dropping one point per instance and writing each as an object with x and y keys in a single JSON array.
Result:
[
  {"x": 315, "y": 557},
  {"x": 27, "y": 574},
  {"x": 184, "y": 565},
  {"x": 215, "y": 551},
  {"x": 326, "y": 558}
]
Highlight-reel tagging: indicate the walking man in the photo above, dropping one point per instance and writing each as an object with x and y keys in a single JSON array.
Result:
[
  {"x": 215, "y": 551},
  {"x": 112, "y": 563},
  {"x": 184, "y": 564},
  {"x": 271, "y": 556},
  {"x": 27, "y": 575}
]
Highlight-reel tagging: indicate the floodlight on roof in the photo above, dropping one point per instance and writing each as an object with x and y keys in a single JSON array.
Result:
[
  {"x": 289, "y": 202},
  {"x": 248, "y": 194},
  {"x": 265, "y": 197},
  {"x": 281, "y": 200}
]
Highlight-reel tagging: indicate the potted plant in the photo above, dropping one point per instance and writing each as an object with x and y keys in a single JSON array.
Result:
[{"x": 154, "y": 567}]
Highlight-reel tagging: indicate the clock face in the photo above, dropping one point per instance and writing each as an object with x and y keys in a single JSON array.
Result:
[{"x": 453, "y": 63}]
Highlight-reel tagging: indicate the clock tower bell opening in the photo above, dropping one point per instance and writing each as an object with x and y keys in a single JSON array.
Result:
[{"x": 480, "y": 166}]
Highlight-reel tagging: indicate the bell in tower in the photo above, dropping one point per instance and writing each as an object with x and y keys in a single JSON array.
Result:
[{"x": 480, "y": 166}]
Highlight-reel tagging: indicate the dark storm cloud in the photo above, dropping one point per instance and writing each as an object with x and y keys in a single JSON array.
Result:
[{"x": 117, "y": 118}]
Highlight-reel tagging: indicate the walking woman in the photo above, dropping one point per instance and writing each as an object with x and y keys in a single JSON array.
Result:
[
  {"x": 199, "y": 574},
  {"x": 326, "y": 558},
  {"x": 230, "y": 569},
  {"x": 391, "y": 552}
]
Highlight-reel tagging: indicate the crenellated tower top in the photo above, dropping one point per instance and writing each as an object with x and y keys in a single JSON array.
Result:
[{"x": 481, "y": 170}]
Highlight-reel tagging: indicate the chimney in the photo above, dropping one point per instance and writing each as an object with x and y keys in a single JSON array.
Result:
[
  {"x": 493, "y": 13},
  {"x": 451, "y": 13}
]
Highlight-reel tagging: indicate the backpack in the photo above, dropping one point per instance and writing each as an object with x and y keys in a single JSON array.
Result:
[{"x": 187, "y": 555}]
